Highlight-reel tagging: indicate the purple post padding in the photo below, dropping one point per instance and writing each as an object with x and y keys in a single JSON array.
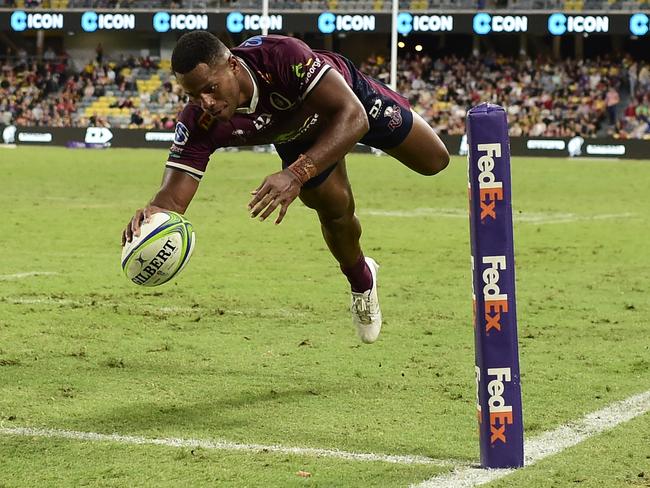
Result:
[{"x": 498, "y": 388}]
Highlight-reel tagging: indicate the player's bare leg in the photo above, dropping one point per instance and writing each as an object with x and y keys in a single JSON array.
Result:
[
  {"x": 422, "y": 150},
  {"x": 334, "y": 203}
]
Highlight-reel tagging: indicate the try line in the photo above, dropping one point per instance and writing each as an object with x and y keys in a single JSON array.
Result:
[
  {"x": 224, "y": 445},
  {"x": 549, "y": 443},
  {"x": 463, "y": 475}
]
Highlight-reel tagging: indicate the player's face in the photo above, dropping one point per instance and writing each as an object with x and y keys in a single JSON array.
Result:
[{"x": 214, "y": 88}]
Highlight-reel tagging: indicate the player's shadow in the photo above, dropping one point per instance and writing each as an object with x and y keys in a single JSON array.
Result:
[{"x": 217, "y": 416}]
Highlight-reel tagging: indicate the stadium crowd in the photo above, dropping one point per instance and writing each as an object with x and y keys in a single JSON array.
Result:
[
  {"x": 544, "y": 98},
  {"x": 47, "y": 92}
]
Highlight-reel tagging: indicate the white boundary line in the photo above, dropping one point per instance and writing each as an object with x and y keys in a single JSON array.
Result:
[
  {"x": 520, "y": 217},
  {"x": 550, "y": 443},
  {"x": 28, "y": 274},
  {"x": 225, "y": 446},
  {"x": 462, "y": 476}
]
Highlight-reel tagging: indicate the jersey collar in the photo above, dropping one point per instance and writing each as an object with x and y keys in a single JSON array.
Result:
[{"x": 254, "y": 99}]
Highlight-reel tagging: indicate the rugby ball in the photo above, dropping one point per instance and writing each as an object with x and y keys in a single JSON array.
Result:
[{"x": 161, "y": 251}]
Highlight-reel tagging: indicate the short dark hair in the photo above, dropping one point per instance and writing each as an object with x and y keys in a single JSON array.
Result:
[{"x": 194, "y": 48}]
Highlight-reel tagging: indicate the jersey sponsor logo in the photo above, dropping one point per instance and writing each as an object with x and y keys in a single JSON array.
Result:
[
  {"x": 495, "y": 301},
  {"x": 297, "y": 70},
  {"x": 181, "y": 135},
  {"x": 206, "y": 120},
  {"x": 376, "y": 108},
  {"x": 394, "y": 112},
  {"x": 280, "y": 102},
  {"x": 262, "y": 121},
  {"x": 500, "y": 413},
  {"x": 253, "y": 41},
  {"x": 490, "y": 190},
  {"x": 313, "y": 65},
  {"x": 310, "y": 122}
]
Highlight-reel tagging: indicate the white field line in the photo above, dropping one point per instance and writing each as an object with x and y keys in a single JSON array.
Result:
[
  {"x": 463, "y": 475},
  {"x": 524, "y": 217},
  {"x": 171, "y": 310},
  {"x": 39, "y": 301},
  {"x": 223, "y": 445},
  {"x": 28, "y": 274},
  {"x": 549, "y": 443}
]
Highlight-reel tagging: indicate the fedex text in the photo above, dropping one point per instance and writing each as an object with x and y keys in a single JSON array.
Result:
[
  {"x": 495, "y": 301},
  {"x": 490, "y": 190},
  {"x": 500, "y": 413}
]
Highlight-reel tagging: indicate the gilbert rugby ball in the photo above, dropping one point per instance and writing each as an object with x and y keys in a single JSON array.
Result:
[{"x": 161, "y": 251}]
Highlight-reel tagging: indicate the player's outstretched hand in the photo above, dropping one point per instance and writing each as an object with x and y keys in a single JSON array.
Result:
[
  {"x": 278, "y": 189},
  {"x": 133, "y": 227}
]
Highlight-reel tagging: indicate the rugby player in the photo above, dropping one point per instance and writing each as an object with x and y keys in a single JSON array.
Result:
[{"x": 314, "y": 106}]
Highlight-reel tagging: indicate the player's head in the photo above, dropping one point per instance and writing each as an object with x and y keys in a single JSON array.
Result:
[{"x": 207, "y": 71}]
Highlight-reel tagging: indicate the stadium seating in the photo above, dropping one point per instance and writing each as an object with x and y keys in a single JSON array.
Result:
[{"x": 543, "y": 98}]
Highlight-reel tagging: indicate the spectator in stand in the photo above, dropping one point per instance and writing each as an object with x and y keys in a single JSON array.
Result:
[
  {"x": 612, "y": 100},
  {"x": 49, "y": 54},
  {"x": 136, "y": 118},
  {"x": 99, "y": 54}
]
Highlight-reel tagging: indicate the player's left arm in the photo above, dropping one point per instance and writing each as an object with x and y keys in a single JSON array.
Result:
[{"x": 345, "y": 123}]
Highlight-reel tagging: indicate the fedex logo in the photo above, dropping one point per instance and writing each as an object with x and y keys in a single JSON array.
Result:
[
  {"x": 490, "y": 190},
  {"x": 500, "y": 413},
  {"x": 495, "y": 301}
]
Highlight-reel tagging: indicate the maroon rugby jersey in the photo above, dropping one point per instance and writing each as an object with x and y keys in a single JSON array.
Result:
[{"x": 284, "y": 71}]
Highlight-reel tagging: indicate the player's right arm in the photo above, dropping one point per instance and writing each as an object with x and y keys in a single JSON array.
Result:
[
  {"x": 186, "y": 164},
  {"x": 175, "y": 194}
]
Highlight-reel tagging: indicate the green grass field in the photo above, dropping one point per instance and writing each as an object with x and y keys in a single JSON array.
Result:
[{"x": 253, "y": 343}]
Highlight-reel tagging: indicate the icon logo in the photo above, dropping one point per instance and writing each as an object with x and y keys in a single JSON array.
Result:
[
  {"x": 557, "y": 24},
  {"x": 19, "y": 21},
  {"x": 639, "y": 24},
  {"x": 161, "y": 21},
  {"x": 235, "y": 22},
  {"x": 404, "y": 23}
]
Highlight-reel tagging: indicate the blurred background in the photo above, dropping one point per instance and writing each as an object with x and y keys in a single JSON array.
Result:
[{"x": 563, "y": 69}]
